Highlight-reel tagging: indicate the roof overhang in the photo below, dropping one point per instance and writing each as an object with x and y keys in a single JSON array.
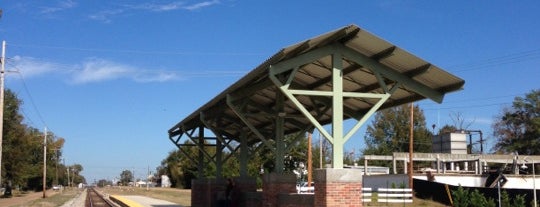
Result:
[{"x": 370, "y": 65}]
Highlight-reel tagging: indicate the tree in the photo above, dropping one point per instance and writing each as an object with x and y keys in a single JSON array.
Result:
[
  {"x": 517, "y": 129},
  {"x": 181, "y": 169},
  {"x": 389, "y": 132},
  {"x": 22, "y": 150},
  {"x": 125, "y": 177}
]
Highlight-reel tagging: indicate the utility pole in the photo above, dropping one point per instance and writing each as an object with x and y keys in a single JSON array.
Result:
[
  {"x": 45, "y": 163},
  {"x": 320, "y": 152},
  {"x": 3, "y": 60},
  {"x": 309, "y": 162},
  {"x": 69, "y": 182},
  {"x": 411, "y": 138}
]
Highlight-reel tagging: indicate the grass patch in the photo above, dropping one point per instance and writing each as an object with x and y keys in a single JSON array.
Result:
[{"x": 56, "y": 199}]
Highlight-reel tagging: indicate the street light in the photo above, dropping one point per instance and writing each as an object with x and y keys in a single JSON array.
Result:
[{"x": 534, "y": 179}]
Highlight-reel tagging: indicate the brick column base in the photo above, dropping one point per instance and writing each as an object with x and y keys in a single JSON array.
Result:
[
  {"x": 338, "y": 187},
  {"x": 205, "y": 191},
  {"x": 246, "y": 188},
  {"x": 275, "y": 184}
]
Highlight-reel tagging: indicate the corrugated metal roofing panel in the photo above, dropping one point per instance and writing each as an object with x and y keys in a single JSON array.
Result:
[{"x": 261, "y": 93}]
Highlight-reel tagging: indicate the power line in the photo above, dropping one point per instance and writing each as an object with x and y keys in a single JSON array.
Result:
[
  {"x": 469, "y": 106},
  {"x": 134, "y": 51},
  {"x": 500, "y": 60},
  {"x": 32, "y": 102}
]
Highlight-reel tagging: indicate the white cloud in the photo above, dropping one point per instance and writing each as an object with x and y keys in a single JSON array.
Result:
[
  {"x": 201, "y": 5},
  {"x": 90, "y": 71},
  {"x": 155, "y": 76},
  {"x": 159, "y": 7},
  {"x": 106, "y": 15},
  {"x": 97, "y": 70},
  {"x": 30, "y": 67},
  {"x": 61, "y": 6}
]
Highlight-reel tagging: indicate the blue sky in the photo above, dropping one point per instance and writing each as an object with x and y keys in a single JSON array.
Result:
[{"x": 111, "y": 77}]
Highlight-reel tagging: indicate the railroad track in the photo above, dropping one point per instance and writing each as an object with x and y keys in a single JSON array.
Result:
[{"x": 94, "y": 199}]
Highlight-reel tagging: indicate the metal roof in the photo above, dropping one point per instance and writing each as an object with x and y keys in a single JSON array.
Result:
[{"x": 259, "y": 93}]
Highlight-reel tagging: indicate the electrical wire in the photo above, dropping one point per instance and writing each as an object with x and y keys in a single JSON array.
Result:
[
  {"x": 146, "y": 52},
  {"x": 500, "y": 60},
  {"x": 32, "y": 102}
]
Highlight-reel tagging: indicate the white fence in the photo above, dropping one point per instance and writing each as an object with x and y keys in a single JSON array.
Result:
[{"x": 387, "y": 195}]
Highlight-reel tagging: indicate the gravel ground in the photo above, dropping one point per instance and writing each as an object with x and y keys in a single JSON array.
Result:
[{"x": 77, "y": 201}]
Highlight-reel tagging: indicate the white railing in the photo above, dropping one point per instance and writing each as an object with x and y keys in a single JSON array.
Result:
[{"x": 387, "y": 195}]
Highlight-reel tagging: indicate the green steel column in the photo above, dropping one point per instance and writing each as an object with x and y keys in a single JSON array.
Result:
[
  {"x": 337, "y": 113},
  {"x": 200, "y": 158},
  {"x": 280, "y": 145},
  {"x": 243, "y": 155},
  {"x": 219, "y": 161}
]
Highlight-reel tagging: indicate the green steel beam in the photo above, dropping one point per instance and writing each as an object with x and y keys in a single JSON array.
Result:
[
  {"x": 337, "y": 138},
  {"x": 199, "y": 146},
  {"x": 299, "y": 60},
  {"x": 391, "y": 74},
  {"x": 244, "y": 155},
  {"x": 219, "y": 161},
  {"x": 200, "y": 164},
  {"x": 280, "y": 142},
  {"x": 219, "y": 137},
  {"x": 253, "y": 129},
  {"x": 337, "y": 111},
  {"x": 285, "y": 90}
]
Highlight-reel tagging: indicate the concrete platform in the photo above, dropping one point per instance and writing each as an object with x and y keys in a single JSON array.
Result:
[{"x": 143, "y": 201}]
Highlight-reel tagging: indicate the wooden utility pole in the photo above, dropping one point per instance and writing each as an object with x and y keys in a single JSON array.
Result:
[
  {"x": 411, "y": 138},
  {"x": 309, "y": 162},
  {"x": 3, "y": 60},
  {"x": 320, "y": 152},
  {"x": 45, "y": 164}
]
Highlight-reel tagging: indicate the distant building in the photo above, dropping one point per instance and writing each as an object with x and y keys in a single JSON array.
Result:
[
  {"x": 452, "y": 143},
  {"x": 165, "y": 182}
]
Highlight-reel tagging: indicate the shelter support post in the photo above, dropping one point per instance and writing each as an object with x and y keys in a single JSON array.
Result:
[
  {"x": 337, "y": 111},
  {"x": 219, "y": 160},
  {"x": 283, "y": 73},
  {"x": 280, "y": 142},
  {"x": 243, "y": 155},
  {"x": 200, "y": 158}
]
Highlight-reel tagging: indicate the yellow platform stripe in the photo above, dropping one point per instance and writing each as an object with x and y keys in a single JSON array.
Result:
[{"x": 124, "y": 201}]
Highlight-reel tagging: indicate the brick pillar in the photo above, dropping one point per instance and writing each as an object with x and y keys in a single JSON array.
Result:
[
  {"x": 245, "y": 187},
  {"x": 274, "y": 184},
  {"x": 205, "y": 191},
  {"x": 338, "y": 187}
]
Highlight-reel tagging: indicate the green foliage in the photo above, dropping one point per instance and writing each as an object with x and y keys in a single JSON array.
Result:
[
  {"x": 505, "y": 199},
  {"x": 518, "y": 128},
  {"x": 125, "y": 177},
  {"x": 390, "y": 132},
  {"x": 478, "y": 199},
  {"x": 181, "y": 169},
  {"x": 519, "y": 201},
  {"x": 460, "y": 197},
  {"x": 23, "y": 168}
]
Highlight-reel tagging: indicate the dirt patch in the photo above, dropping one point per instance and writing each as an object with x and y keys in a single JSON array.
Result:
[{"x": 20, "y": 198}]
